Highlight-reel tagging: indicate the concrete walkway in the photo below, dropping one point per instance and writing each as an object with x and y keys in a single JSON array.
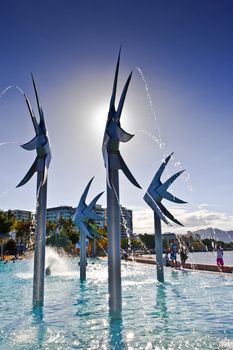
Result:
[{"x": 200, "y": 267}]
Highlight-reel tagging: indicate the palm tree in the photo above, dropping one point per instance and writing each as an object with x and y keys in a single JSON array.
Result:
[{"x": 23, "y": 230}]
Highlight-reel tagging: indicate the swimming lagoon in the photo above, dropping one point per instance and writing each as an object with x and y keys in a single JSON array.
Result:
[{"x": 190, "y": 311}]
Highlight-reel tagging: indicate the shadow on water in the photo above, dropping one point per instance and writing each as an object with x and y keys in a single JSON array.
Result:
[{"x": 83, "y": 300}]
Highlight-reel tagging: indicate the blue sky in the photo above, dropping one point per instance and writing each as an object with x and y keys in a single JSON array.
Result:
[{"x": 184, "y": 50}]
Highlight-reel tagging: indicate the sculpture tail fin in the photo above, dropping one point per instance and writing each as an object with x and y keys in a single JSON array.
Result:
[
  {"x": 89, "y": 210},
  {"x": 29, "y": 174},
  {"x": 168, "y": 214},
  {"x": 118, "y": 163}
]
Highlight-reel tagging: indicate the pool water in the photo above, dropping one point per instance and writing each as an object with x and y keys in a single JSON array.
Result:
[{"x": 190, "y": 311}]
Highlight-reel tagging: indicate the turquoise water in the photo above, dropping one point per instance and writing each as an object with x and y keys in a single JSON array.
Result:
[{"x": 191, "y": 311}]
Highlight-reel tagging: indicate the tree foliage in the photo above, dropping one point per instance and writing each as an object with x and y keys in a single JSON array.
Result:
[
  {"x": 59, "y": 240},
  {"x": 24, "y": 230},
  {"x": 7, "y": 221}
]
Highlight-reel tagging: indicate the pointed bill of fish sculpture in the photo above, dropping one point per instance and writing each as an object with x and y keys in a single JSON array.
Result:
[{"x": 114, "y": 134}]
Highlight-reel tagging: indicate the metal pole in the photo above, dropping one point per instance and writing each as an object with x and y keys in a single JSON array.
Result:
[
  {"x": 158, "y": 248},
  {"x": 83, "y": 257},
  {"x": 114, "y": 246},
  {"x": 40, "y": 239}
]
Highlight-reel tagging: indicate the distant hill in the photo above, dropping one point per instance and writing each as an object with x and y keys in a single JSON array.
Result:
[{"x": 217, "y": 234}]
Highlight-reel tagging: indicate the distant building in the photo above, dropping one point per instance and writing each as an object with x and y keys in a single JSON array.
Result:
[
  {"x": 100, "y": 211},
  {"x": 65, "y": 211},
  {"x": 22, "y": 215},
  {"x": 126, "y": 221}
]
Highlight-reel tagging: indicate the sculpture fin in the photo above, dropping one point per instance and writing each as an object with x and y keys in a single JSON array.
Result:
[
  {"x": 36, "y": 93},
  {"x": 113, "y": 97},
  {"x": 156, "y": 180},
  {"x": 167, "y": 195},
  {"x": 29, "y": 174},
  {"x": 116, "y": 132},
  {"x": 34, "y": 121},
  {"x": 42, "y": 121},
  {"x": 89, "y": 210},
  {"x": 84, "y": 195},
  {"x": 168, "y": 214},
  {"x": 40, "y": 110},
  {"x": 154, "y": 206},
  {"x": 83, "y": 229},
  {"x": 162, "y": 189},
  {"x": 117, "y": 162},
  {"x": 36, "y": 142},
  {"x": 45, "y": 172},
  {"x": 122, "y": 99},
  {"x": 94, "y": 234}
]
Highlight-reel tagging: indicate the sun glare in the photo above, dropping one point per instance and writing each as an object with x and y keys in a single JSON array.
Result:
[
  {"x": 100, "y": 114},
  {"x": 100, "y": 117}
]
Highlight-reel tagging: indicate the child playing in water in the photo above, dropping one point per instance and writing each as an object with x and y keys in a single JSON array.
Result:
[{"x": 220, "y": 262}]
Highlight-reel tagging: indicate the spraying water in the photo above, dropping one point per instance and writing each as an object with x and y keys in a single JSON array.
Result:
[{"x": 56, "y": 262}]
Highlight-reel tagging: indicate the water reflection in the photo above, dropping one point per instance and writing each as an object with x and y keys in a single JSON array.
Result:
[
  {"x": 161, "y": 304},
  {"x": 40, "y": 326},
  {"x": 83, "y": 300},
  {"x": 115, "y": 334}
]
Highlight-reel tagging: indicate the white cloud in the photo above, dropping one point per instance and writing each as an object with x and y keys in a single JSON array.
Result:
[{"x": 192, "y": 220}]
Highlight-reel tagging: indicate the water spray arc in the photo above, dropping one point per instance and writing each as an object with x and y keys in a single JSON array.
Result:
[
  {"x": 153, "y": 197},
  {"x": 113, "y": 161},
  {"x": 41, "y": 144},
  {"x": 81, "y": 219}
]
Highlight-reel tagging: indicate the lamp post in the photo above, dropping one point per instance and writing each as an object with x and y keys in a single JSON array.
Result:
[
  {"x": 81, "y": 218},
  {"x": 41, "y": 144},
  {"x": 113, "y": 161},
  {"x": 153, "y": 197}
]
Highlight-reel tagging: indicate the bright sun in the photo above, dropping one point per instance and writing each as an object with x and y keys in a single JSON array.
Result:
[{"x": 100, "y": 117}]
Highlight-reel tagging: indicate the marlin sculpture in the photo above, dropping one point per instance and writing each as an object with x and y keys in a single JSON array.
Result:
[
  {"x": 158, "y": 190},
  {"x": 114, "y": 134},
  {"x": 81, "y": 218},
  {"x": 85, "y": 212},
  {"x": 40, "y": 143},
  {"x": 113, "y": 162}
]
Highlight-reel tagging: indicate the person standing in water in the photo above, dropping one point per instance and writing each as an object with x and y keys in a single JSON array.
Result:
[
  {"x": 173, "y": 252},
  {"x": 183, "y": 256},
  {"x": 220, "y": 261}
]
